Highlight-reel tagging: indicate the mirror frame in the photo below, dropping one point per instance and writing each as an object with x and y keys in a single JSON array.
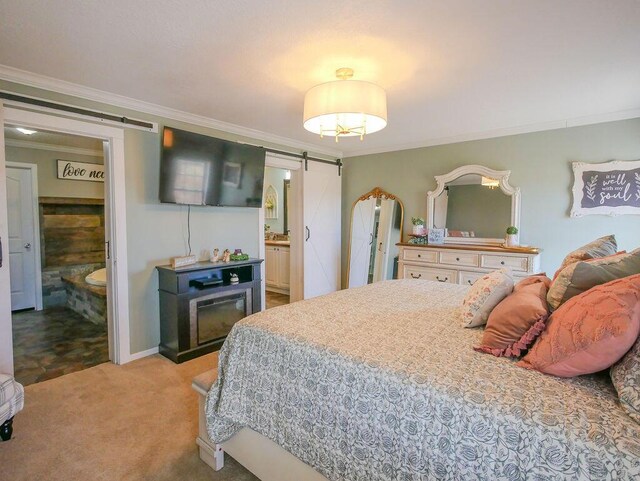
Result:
[
  {"x": 508, "y": 189},
  {"x": 376, "y": 193}
]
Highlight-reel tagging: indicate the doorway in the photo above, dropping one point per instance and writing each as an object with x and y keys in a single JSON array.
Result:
[
  {"x": 56, "y": 214},
  {"x": 110, "y": 140},
  {"x": 277, "y": 238}
]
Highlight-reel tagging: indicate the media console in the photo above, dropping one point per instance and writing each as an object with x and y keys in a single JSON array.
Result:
[{"x": 199, "y": 305}]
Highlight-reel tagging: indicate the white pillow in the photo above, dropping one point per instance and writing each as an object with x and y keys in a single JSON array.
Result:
[{"x": 485, "y": 294}]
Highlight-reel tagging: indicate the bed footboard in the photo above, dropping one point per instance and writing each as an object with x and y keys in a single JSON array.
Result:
[{"x": 210, "y": 453}]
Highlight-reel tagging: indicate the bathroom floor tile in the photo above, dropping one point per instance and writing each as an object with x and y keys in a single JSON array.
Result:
[{"x": 54, "y": 342}]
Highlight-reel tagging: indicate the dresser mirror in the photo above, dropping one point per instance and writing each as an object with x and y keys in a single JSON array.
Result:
[
  {"x": 474, "y": 204},
  {"x": 376, "y": 228}
]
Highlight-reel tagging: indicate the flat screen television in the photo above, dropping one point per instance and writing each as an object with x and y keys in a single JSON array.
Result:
[{"x": 197, "y": 169}]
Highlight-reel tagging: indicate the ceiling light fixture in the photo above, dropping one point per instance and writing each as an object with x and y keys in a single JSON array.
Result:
[
  {"x": 345, "y": 108},
  {"x": 26, "y": 131}
]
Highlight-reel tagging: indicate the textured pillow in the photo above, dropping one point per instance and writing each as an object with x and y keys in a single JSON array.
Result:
[
  {"x": 590, "y": 332},
  {"x": 484, "y": 295},
  {"x": 602, "y": 247},
  {"x": 518, "y": 320},
  {"x": 626, "y": 379},
  {"x": 583, "y": 275}
]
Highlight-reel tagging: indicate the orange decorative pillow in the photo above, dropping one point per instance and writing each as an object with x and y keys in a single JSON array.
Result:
[
  {"x": 590, "y": 332},
  {"x": 602, "y": 247},
  {"x": 518, "y": 320}
]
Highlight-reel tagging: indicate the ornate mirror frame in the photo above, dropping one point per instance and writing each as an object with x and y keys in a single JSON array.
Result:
[{"x": 501, "y": 175}]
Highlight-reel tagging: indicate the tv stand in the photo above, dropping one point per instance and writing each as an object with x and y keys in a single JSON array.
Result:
[{"x": 199, "y": 305}]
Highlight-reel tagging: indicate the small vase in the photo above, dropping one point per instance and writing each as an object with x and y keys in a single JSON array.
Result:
[
  {"x": 419, "y": 230},
  {"x": 511, "y": 240}
]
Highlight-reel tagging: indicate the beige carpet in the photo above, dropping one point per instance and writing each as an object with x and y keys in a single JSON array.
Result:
[{"x": 131, "y": 422}]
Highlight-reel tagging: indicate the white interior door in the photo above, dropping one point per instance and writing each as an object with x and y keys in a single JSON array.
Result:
[
  {"x": 321, "y": 206},
  {"x": 22, "y": 260},
  {"x": 6, "y": 339},
  {"x": 361, "y": 241}
]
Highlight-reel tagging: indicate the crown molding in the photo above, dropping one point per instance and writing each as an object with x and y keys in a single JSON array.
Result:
[
  {"x": 26, "y": 144},
  {"x": 490, "y": 134},
  {"x": 11, "y": 74}
]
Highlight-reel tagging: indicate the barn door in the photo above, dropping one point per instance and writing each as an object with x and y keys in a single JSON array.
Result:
[{"x": 321, "y": 206}]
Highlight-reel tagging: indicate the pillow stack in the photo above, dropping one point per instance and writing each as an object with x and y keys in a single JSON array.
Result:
[{"x": 584, "y": 321}]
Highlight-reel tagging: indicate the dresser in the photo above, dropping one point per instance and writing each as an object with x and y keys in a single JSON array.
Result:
[{"x": 463, "y": 264}]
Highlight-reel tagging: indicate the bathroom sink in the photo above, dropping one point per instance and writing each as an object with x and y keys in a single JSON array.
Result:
[{"x": 97, "y": 278}]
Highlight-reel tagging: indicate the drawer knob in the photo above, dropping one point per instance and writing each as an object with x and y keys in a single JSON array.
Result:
[
  {"x": 502, "y": 262},
  {"x": 416, "y": 277},
  {"x": 442, "y": 280},
  {"x": 419, "y": 255},
  {"x": 458, "y": 259},
  {"x": 469, "y": 282}
]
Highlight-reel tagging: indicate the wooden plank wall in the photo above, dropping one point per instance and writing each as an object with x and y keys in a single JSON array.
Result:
[{"x": 72, "y": 231}]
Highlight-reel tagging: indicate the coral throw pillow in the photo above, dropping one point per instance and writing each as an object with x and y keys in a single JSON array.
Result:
[
  {"x": 583, "y": 275},
  {"x": 518, "y": 320},
  {"x": 602, "y": 247},
  {"x": 484, "y": 295},
  {"x": 626, "y": 379},
  {"x": 590, "y": 332}
]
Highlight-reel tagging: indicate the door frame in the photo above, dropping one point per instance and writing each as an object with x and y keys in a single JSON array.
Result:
[
  {"x": 33, "y": 170},
  {"x": 118, "y": 299},
  {"x": 296, "y": 267}
]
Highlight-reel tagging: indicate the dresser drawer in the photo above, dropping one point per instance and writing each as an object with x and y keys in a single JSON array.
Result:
[
  {"x": 459, "y": 259},
  {"x": 421, "y": 255},
  {"x": 429, "y": 274},
  {"x": 516, "y": 263},
  {"x": 468, "y": 278}
]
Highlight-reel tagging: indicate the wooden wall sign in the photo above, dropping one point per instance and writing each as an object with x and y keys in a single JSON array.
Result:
[
  {"x": 70, "y": 170},
  {"x": 610, "y": 188}
]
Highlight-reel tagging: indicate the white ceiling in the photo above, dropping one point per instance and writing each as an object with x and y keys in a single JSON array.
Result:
[{"x": 452, "y": 70}]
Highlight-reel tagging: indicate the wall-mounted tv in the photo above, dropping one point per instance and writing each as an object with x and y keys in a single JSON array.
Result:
[{"x": 197, "y": 169}]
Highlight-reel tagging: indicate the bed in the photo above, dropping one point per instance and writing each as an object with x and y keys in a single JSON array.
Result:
[{"x": 381, "y": 383}]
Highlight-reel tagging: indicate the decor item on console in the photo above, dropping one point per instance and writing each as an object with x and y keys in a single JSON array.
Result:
[
  {"x": 609, "y": 188},
  {"x": 418, "y": 226},
  {"x": 461, "y": 203},
  {"x": 238, "y": 256},
  {"x": 511, "y": 239},
  {"x": 215, "y": 257},
  {"x": 376, "y": 229},
  {"x": 226, "y": 255},
  {"x": 345, "y": 107}
]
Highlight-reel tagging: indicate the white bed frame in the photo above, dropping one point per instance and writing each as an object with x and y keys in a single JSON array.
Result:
[{"x": 264, "y": 458}]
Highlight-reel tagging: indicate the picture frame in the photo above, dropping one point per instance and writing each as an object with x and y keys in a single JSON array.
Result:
[
  {"x": 231, "y": 174},
  {"x": 72, "y": 170},
  {"x": 435, "y": 236},
  {"x": 608, "y": 188}
]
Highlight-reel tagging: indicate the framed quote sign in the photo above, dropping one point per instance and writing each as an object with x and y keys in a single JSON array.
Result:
[
  {"x": 70, "y": 170},
  {"x": 610, "y": 188}
]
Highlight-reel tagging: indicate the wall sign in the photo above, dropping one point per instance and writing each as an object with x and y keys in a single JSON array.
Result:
[
  {"x": 70, "y": 170},
  {"x": 610, "y": 188}
]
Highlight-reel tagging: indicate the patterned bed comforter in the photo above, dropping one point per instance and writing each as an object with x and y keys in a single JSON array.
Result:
[{"x": 382, "y": 383}]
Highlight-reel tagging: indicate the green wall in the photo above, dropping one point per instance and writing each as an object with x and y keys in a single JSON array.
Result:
[
  {"x": 540, "y": 165},
  {"x": 156, "y": 232},
  {"x": 48, "y": 183}
]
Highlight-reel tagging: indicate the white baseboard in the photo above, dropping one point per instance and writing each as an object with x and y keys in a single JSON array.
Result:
[{"x": 139, "y": 355}]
